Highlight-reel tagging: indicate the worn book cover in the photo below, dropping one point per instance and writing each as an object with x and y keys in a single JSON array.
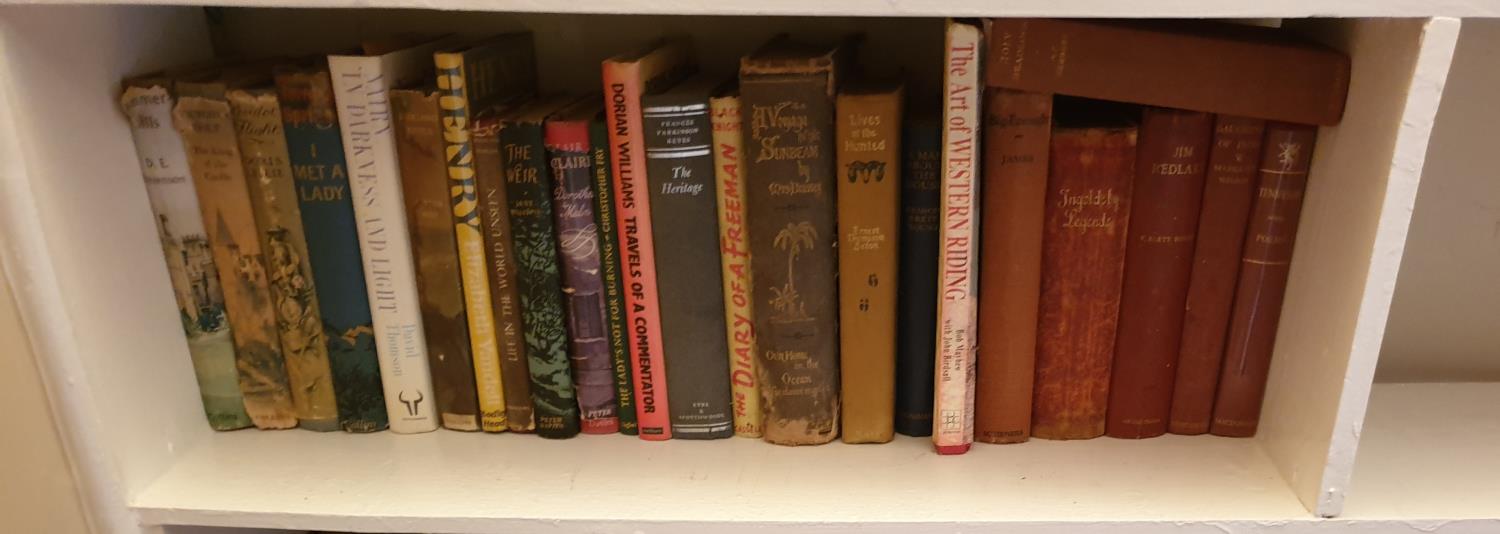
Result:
[
  {"x": 528, "y": 182},
  {"x": 1170, "y": 164},
  {"x": 189, "y": 257},
  {"x": 868, "y": 129},
  {"x": 734, "y": 260},
  {"x": 203, "y": 117},
  {"x": 1017, "y": 135},
  {"x": 680, "y": 175},
  {"x": 470, "y": 79},
  {"x": 570, "y": 159},
  {"x": 626, "y": 79},
  {"x": 1227, "y": 193},
  {"x": 494, "y": 220},
  {"x": 787, "y": 91},
  {"x": 916, "y": 337},
  {"x": 611, "y": 274}
]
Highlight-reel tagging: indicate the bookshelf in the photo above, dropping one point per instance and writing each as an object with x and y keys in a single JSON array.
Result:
[{"x": 80, "y": 249}]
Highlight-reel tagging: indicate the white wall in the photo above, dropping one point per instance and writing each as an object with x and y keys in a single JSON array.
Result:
[{"x": 1445, "y": 317}]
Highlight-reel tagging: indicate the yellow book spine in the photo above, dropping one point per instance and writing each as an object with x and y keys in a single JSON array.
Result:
[{"x": 734, "y": 254}]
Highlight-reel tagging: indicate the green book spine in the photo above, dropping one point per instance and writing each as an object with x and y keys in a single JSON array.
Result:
[{"x": 609, "y": 263}]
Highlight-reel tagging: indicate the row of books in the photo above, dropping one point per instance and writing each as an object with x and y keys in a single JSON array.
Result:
[{"x": 414, "y": 237}]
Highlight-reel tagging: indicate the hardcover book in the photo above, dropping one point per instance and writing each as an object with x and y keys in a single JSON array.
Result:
[
  {"x": 680, "y": 177},
  {"x": 1210, "y": 66},
  {"x": 273, "y": 196},
  {"x": 958, "y": 233},
  {"x": 470, "y": 79},
  {"x": 610, "y": 273},
  {"x": 627, "y": 78},
  {"x": 528, "y": 183},
  {"x": 1170, "y": 164},
  {"x": 570, "y": 158},
  {"x": 734, "y": 261},
  {"x": 916, "y": 336},
  {"x": 361, "y": 86},
  {"x": 203, "y": 118},
  {"x": 787, "y": 91},
  {"x": 316, "y": 153},
  {"x": 1091, "y": 167},
  {"x": 424, "y": 182},
  {"x": 189, "y": 257},
  {"x": 1286, "y": 157},
  {"x": 1017, "y": 135},
  {"x": 1227, "y": 192},
  {"x": 494, "y": 219},
  {"x": 868, "y": 129}
]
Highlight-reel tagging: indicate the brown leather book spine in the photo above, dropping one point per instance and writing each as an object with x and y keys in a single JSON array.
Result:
[
  {"x": 1017, "y": 135},
  {"x": 1227, "y": 192},
  {"x": 869, "y": 208},
  {"x": 494, "y": 221},
  {"x": 1212, "y": 67},
  {"x": 424, "y": 184},
  {"x": 1170, "y": 166},
  {"x": 1286, "y": 157},
  {"x": 1083, "y": 258}
]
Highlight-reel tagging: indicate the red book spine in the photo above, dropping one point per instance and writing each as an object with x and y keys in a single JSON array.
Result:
[
  {"x": 1216, "y": 261},
  {"x": 622, "y": 89},
  {"x": 1287, "y": 154},
  {"x": 1170, "y": 165}
]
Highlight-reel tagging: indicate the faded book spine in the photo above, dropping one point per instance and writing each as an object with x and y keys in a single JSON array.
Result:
[
  {"x": 510, "y": 332},
  {"x": 572, "y": 166},
  {"x": 1227, "y": 193},
  {"x": 224, "y": 198},
  {"x": 322, "y": 179},
  {"x": 364, "y": 115},
  {"x": 529, "y": 190},
  {"x": 273, "y": 195},
  {"x": 1170, "y": 165},
  {"x": 1017, "y": 135},
  {"x": 869, "y": 210},
  {"x": 680, "y": 170},
  {"x": 734, "y": 261},
  {"x": 609, "y": 273},
  {"x": 1083, "y": 259},
  {"x": 188, "y": 254},
  {"x": 958, "y": 304},
  {"x": 458, "y": 153},
  {"x": 916, "y": 336},
  {"x": 1286, "y": 157},
  {"x": 424, "y": 181},
  {"x": 790, "y": 178}
]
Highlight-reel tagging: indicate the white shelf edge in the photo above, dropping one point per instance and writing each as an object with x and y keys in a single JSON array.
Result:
[{"x": 891, "y": 8}]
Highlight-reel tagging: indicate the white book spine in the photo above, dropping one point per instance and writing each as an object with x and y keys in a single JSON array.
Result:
[
  {"x": 958, "y": 289},
  {"x": 360, "y": 87}
]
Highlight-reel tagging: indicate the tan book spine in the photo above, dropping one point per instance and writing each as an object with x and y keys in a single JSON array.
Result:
[
  {"x": 734, "y": 256},
  {"x": 868, "y": 132}
]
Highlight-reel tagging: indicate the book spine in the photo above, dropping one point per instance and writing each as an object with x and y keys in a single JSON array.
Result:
[
  {"x": 571, "y": 162},
  {"x": 1017, "y": 134},
  {"x": 869, "y": 208},
  {"x": 680, "y": 170},
  {"x": 273, "y": 196},
  {"x": 424, "y": 182},
  {"x": 188, "y": 255},
  {"x": 790, "y": 179},
  {"x": 529, "y": 190},
  {"x": 458, "y": 153},
  {"x": 510, "y": 332},
  {"x": 1170, "y": 165},
  {"x": 734, "y": 262},
  {"x": 959, "y": 235},
  {"x": 1083, "y": 260},
  {"x": 364, "y": 115},
  {"x": 916, "y": 336},
  {"x": 317, "y": 158},
  {"x": 224, "y": 198},
  {"x": 1227, "y": 193},
  {"x": 623, "y": 87},
  {"x": 609, "y": 273},
  {"x": 1286, "y": 156}
]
